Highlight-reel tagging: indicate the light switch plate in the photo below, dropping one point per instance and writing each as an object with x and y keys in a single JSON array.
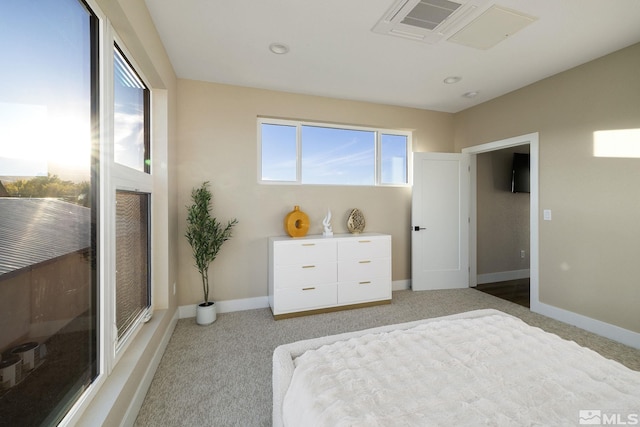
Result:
[{"x": 546, "y": 214}]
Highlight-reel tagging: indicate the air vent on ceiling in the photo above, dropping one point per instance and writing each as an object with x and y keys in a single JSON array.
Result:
[
  {"x": 430, "y": 14},
  {"x": 425, "y": 20}
]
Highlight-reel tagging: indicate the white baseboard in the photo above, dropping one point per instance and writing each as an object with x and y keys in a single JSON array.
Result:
[
  {"x": 186, "y": 311},
  {"x": 502, "y": 276},
  {"x": 401, "y": 285},
  {"x": 616, "y": 333},
  {"x": 607, "y": 330},
  {"x": 242, "y": 304},
  {"x": 228, "y": 306}
]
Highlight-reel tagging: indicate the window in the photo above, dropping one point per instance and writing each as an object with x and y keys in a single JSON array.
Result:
[
  {"x": 279, "y": 152},
  {"x": 131, "y": 115},
  {"x": 393, "y": 158},
  {"x": 75, "y": 206},
  {"x": 132, "y": 187},
  {"x": 309, "y": 153},
  {"x": 338, "y": 156},
  {"x": 48, "y": 208},
  {"x": 132, "y": 259}
]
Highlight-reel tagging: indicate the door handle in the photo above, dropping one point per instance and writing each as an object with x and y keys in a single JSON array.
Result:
[{"x": 418, "y": 228}]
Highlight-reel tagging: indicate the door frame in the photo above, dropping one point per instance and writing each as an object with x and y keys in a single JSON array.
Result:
[{"x": 532, "y": 139}]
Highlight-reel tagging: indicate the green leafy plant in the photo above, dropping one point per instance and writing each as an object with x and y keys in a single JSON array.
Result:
[{"x": 204, "y": 233}]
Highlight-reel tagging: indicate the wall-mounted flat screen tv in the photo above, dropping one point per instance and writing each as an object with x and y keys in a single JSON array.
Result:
[{"x": 520, "y": 173}]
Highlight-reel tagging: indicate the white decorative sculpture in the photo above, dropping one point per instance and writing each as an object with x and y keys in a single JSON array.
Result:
[{"x": 326, "y": 222}]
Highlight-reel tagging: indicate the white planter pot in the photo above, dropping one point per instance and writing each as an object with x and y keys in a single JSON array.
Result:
[{"x": 206, "y": 314}]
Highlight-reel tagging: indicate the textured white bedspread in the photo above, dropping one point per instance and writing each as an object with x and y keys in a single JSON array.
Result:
[{"x": 486, "y": 369}]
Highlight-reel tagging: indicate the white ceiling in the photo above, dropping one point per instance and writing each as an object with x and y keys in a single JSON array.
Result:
[{"x": 334, "y": 53}]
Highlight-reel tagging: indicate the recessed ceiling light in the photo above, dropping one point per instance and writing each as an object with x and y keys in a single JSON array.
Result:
[
  {"x": 452, "y": 79},
  {"x": 471, "y": 94},
  {"x": 279, "y": 48}
]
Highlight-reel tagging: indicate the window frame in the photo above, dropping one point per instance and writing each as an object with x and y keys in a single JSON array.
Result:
[
  {"x": 124, "y": 178},
  {"x": 299, "y": 124}
]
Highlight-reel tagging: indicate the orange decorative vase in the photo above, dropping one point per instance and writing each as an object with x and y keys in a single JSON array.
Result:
[{"x": 296, "y": 223}]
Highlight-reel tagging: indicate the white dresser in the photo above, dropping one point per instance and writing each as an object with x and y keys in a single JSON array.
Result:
[{"x": 317, "y": 274}]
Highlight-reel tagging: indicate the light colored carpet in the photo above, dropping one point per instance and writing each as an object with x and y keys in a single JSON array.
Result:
[{"x": 220, "y": 375}]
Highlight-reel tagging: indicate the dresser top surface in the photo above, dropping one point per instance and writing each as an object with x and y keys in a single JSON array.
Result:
[{"x": 321, "y": 237}]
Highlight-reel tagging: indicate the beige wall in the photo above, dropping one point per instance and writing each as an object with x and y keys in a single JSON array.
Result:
[
  {"x": 218, "y": 142},
  {"x": 589, "y": 251},
  {"x": 502, "y": 216}
]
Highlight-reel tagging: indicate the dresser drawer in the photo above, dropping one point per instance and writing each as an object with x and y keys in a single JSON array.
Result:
[
  {"x": 291, "y": 276},
  {"x": 365, "y": 290},
  {"x": 305, "y": 298},
  {"x": 364, "y": 248},
  {"x": 304, "y": 252},
  {"x": 363, "y": 269}
]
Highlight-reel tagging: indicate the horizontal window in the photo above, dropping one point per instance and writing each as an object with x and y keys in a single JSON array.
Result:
[{"x": 308, "y": 153}]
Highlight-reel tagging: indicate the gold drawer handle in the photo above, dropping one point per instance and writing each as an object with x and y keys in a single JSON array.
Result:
[
  {"x": 308, "y": 244},
  {"x": 308, "y": 266},
  {"x": 364, "y": 262},
  {"x": 364, "y": 241},
  {"x": 365, "y": 283},
  {"x": 308, "y": 289}
]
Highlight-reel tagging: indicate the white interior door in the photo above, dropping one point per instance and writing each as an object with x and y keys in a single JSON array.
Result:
[{"x": 440, "y": 218}]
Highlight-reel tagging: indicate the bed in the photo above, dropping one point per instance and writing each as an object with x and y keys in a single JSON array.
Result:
[{"x": 482, "y": 367}]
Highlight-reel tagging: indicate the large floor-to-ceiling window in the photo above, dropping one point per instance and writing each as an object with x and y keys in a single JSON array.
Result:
[
  {"x": 75, "y": 206},
  {"x": 48, "y": 210}
]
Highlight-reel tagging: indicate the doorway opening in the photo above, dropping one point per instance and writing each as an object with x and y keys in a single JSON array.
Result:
[
  {"x": 503, "y": 248},
  {"x": 518, "y": 276}
]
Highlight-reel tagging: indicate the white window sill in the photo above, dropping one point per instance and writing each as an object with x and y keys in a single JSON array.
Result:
[{"x": 119, "y": 398}]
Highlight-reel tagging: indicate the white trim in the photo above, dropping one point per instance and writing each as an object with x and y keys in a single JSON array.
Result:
[
  {"x": 187, "y": 311},
  {"x": 504, "y": 143},
  {"x": 242, "y": 304},
  {"x": 616, "y": 333},
  {"x": 473, "y": 221},
  {"x": 501, "y": 276},
  {"x": 533, "y": 140},
  {"x": 228, "y": 306},
  {"x": 106, "y": 205},
  {"x": 132, "y": 411},
  {"x": 401, "y": 285}
]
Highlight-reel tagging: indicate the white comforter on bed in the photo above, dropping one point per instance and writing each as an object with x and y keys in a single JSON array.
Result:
[{"x": 488, "y": 370}]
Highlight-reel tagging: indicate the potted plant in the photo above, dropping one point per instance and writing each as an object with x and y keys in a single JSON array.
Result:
[{"x": 206, "y": 236}]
